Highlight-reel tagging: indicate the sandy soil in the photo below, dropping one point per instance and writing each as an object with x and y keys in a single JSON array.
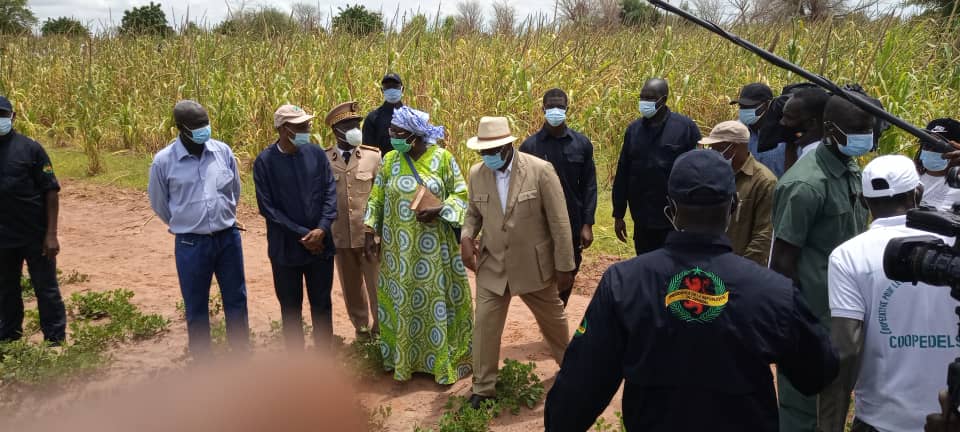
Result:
[{"x": 111, "y": 235}]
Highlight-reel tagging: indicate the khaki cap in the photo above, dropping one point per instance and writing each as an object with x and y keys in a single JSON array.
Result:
[
  {"x": 728, "y": 132},
  {"x": 345, "y": 111},
  {"x": 290, "y": 114}
]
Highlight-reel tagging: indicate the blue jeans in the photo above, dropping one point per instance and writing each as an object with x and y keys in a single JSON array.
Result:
[
  {"x": 199, "y": 257},
  {"x": 43, "y": 275},
  {"x": 288, "y": 282}
]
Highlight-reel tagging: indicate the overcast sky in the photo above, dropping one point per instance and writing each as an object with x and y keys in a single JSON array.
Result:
[{"x": 97, "y": 13}]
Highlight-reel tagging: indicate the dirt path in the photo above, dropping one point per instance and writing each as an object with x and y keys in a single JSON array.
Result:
[{"x": 111, "y": 235}]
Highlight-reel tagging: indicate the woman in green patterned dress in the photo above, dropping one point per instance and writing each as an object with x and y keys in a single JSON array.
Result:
[{"x": 425, "y": 303}]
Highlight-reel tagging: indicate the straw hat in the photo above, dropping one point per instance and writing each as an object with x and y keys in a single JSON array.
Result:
[{"x": 493, "y": 132}]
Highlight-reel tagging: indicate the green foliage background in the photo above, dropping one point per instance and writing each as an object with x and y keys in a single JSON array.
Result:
[
  {"x": 64, "y": 26},
  {"x": 117, "y": 93}
]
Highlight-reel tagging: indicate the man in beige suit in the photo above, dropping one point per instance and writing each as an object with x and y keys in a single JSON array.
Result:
[
  {"x": 518, "y": 212},
  {"x": 354, "y": 168}
]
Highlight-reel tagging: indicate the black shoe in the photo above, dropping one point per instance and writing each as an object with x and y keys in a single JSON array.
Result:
[{"x": 476, "y": 401}]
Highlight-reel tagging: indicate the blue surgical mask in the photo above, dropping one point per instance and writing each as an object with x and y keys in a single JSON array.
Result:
[
  {"x": 933, "y": 161},
  {"x": 493, "y": 161},
  {"x": 392, "y": 95},
  {"x": 648, "y": 108},
  {"x": 301, "y": 139},
  {"x": 857, "y": 144},
  {"x": 749, "y": 116},
  {"x": 556, "y": 116},
  {"x": 200, "y": 136},
  {"x": 6, "y": 125}
]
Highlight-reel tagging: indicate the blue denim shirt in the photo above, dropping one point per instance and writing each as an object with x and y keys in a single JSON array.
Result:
[
  {"x": 195, "y": 195},
  {"x": 773, "y": 159}
]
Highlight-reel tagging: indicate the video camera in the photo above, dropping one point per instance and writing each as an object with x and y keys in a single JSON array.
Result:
[{"x": 930, "y": 260}]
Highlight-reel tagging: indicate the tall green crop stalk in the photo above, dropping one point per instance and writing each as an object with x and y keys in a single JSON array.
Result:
[
  {"x": 88, "y": 105},
  {"x": 108, "y": 94}
]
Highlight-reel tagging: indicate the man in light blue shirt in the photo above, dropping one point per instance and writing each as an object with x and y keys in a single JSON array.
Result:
[
  {"x": 773, "y": 158},
  {"x": 754, "y": 101},
  {"x": 194, "y": 188}
]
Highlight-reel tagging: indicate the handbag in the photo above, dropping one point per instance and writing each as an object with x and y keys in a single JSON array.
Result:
[{"x": 424, "y": 198}]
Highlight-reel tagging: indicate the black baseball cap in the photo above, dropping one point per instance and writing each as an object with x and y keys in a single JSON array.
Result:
[
  {"x": 753, "y": 94},
  {"x": 5, "y": 104},
  {"x": 945, "y": 127},
  {"x": 391, "y": 77},
  {"x": 701, "y": 178}
]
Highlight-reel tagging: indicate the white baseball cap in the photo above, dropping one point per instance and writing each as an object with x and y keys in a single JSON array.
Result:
[{"x": 889, "y": 175}]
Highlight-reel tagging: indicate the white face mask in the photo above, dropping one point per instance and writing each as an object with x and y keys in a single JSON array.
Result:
[{"x": 354, "y": 137}]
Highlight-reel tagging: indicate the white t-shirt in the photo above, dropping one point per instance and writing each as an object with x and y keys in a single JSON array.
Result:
[
  {"x": 937, "y": 194},
  {"x": 910, "y": 332}
]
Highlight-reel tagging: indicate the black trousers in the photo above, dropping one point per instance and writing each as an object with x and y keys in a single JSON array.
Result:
[
  {"x": 859, "y": 426},
  {"x": 288, "y": 282},
  {"x": 649, "y": 239},
  {"x": 43, "y": 275},
  {"x": 578, "y": 258}
]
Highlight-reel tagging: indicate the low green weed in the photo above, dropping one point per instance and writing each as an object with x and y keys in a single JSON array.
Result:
[
  {"x": 362, "y": 356},
  {"x": 31, "y": 322},
  {"x": 26, "y": 288},
  {"x": 214, "y": 307},
  {"x": 218, "y": 333},
  {"x": 602, "y": 426},
  {"x": 95, "y": 305},
  {"x": 518, "y": 385},
  {"x": 459, "y": 416},
  {"x": 144, "y": 327},
  {"x": 73, "y": 277},
  {"x": 100, "y": 320},
  {"x": 275, "y": 334},
  {"x": 29, "y": 363},
  {"x": 125, "y": 320}
]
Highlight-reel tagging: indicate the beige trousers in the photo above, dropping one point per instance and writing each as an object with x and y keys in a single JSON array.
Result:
[
  {"x": 492, "y": 310},
  {"x": 357, "y": 273}
]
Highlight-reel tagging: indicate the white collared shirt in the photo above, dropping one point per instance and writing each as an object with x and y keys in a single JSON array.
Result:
[{"x": 503, "y": 183}]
